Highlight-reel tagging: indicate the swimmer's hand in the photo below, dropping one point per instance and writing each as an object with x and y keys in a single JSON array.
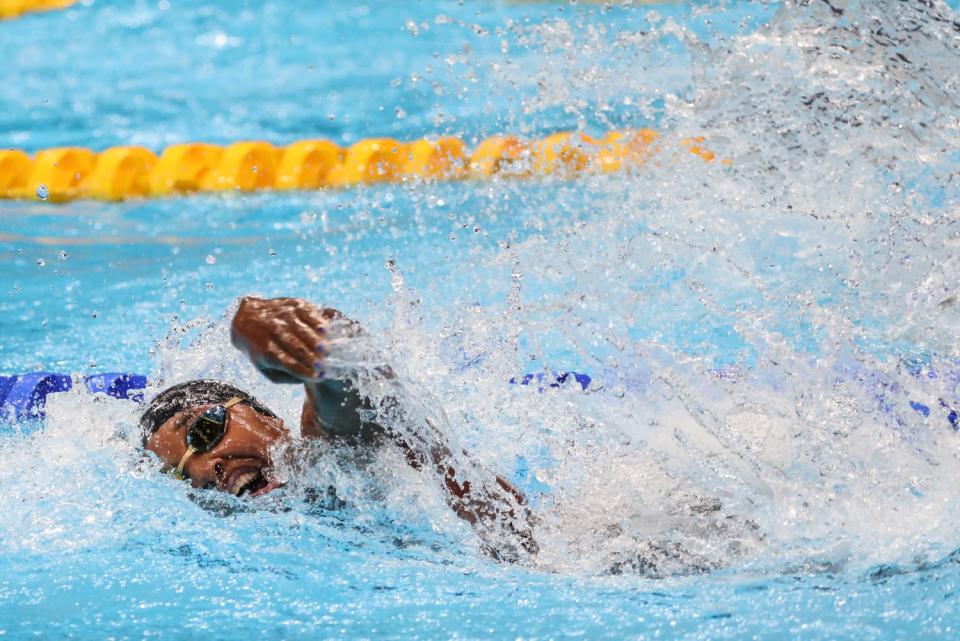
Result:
[{"x": 285, "y": 338}]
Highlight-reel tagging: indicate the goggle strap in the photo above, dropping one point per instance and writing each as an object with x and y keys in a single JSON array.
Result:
[{"x": 178, "y": 473}]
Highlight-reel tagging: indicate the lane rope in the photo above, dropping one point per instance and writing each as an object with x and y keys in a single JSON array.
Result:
[
  {"x": 119, "y": 173},
  {"x": 10, "y": 9},
  {"x": 23, "y": 396}
]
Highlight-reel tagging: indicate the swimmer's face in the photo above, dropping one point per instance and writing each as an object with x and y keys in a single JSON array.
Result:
[{"x": 239, "y": 464}]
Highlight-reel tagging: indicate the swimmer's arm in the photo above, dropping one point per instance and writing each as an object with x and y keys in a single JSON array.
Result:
[
  {"x": 332, "y": 409},
  {"x": 491, "y": 507},
  {"x": 285, "y": 338}
]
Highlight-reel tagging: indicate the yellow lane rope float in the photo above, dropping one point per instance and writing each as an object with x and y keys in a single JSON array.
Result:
[
  {"x": 119, "y": 173},
  {"x": 14, "y": 8}
]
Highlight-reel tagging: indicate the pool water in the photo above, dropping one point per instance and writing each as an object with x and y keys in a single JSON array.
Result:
[{"x": 755, "y": 331}]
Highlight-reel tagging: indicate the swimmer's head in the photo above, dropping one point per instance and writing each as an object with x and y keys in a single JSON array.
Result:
[{"x": 230, "y": 432}]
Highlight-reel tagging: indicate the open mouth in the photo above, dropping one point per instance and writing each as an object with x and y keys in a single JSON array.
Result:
[{"x": 250, "y": 482}]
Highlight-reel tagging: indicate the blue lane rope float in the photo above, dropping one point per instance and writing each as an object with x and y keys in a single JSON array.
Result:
[
  {"x": 553, "y": 380},
  {"x": 23, "y": 396}
]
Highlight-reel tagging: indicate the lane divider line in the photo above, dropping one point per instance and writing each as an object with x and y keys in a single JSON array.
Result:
[
  {"x": 23, "y": 396},
  {"x": 119, "y": 173},
  {"x": 10, "y": 9}
]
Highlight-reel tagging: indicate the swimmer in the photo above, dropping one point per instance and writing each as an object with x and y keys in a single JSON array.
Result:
[{"x": 216, "y": 436}]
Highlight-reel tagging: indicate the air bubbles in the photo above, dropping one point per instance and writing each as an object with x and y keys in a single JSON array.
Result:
[
  {"x": 41, "y": 262},
  {"x": 210, "y": 259},
  {"x": 400, "y": 113},
  {"x": 42, "y": 192},
  {"x": 453, "y": 236},
  {"x": 63, "y": 255}
]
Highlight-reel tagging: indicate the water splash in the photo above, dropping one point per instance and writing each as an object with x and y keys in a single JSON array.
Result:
[{"x": 757, "y": 333}]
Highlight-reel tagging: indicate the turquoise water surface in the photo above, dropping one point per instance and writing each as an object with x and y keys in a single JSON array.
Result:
[{"x": 755, "y": 331}]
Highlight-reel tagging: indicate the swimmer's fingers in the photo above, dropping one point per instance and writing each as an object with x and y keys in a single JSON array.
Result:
[
  {"x": 323, "y": 319},
  {"x": 311, "y": 336},
  {"x": 307, "y": 349},
  {"x": 288, "y": 357},
  {"x": 312, "y": 345},
  {"x": 285, "y": 336}
]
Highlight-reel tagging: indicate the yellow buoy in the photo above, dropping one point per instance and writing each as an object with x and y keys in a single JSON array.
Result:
[
  {"x": 306, "y": 164},
  {"x": 620, "y": 150},
  {"x": 441, "y": 159},
  {"x": 563, "y": 153},
  {"x": 15, "y": 169},
  {"x": 694, "y": 146},
  {"x": 244, "y": 166},
  {"x": 182, "y": 168},
  {"x": 13, "y": 8},
  {"x": 58, "y": 174},
  {"x": 122, "y": 172},
  {"x": 370, "y": 161},
  {"x": 500, "y": 155}
]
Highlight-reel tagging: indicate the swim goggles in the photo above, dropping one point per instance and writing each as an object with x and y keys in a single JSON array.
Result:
[{"x": 205, "y": 432}]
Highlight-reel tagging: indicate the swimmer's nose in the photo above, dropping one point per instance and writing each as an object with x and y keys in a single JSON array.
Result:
[{"x": 207, "y": 476}]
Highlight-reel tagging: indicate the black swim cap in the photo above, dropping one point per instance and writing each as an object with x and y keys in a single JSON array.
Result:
[{"x": 181, "y": 397}]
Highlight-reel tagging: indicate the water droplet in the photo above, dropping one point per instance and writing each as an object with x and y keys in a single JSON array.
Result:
[
  {"x": 400, "y": 113},
  {"x": 41, "y": 262},
  {"x": 441, "y": 202},
  {"x": 209, "y": 285},
  {"x": 210, "y": 259},
  {"x": 412, "y": 27},
  {"x": 476, "y": 229},
  {"x": 63, "y": 255},
  {"x": 453, "y": 236},
  {"x": 273, "y": 252},
  {"x": 42, "y": 192}
]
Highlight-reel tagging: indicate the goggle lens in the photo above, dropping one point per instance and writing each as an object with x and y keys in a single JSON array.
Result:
[{"x": 208, "y": 429}]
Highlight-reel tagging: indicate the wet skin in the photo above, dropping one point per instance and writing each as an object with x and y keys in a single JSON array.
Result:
[
  {"x": 287, "y": 340},
  {"x": 244, "y": 450}
]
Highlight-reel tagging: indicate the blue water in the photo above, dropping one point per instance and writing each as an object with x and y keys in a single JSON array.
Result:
[{"x": 755, "y": 333}]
